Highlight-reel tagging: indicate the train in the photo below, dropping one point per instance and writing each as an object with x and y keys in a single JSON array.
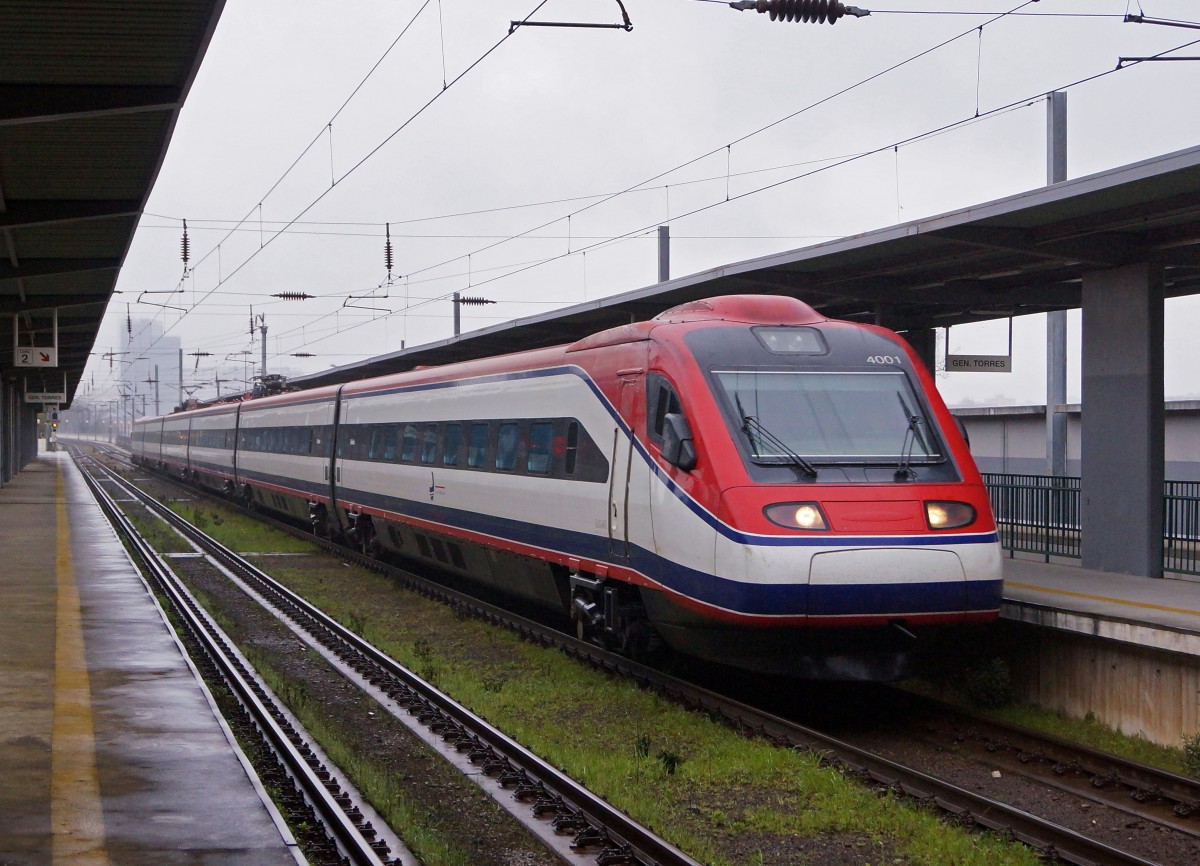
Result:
[{"x": 739, "y": 478}]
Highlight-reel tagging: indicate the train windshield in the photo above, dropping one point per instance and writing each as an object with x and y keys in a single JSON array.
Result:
[{"x": 853, "y": 417}]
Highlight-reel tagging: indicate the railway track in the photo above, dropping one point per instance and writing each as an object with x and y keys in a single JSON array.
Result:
[
  {"x": 1134, "y": 788},
  {"x": 579, "y": 826},
  {"x": 352, "y": 836}
]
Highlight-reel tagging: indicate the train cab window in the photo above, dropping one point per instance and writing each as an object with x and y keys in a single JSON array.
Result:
[
  {"x": 477, "y": 445},
  {"x": 429, "y": 445},
  {"x": 451, "y": 443},
  {"x": 541, "y": 441},
  {"x": 661, "y": 401},
  {"x": 571, "y": 453},
  {"x": 507, "y": 438},
  {"x": 408, "y": 447}
]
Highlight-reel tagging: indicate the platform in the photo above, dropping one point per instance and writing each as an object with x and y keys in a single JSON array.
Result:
[
  {"x": 110, "y": 751},
  {"x": 1160, "y": 613}
]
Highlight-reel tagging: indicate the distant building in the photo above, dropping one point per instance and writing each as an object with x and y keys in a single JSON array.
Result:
[
  {"x": 1012, "y": 439},
  {"x": 144, "y": 349}
]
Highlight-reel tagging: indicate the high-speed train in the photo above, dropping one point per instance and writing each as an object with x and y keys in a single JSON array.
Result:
[{"x": 741, "y": 478}]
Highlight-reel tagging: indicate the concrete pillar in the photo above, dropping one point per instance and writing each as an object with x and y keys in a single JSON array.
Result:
[
  {"x": 1121, "y": 508},
  {"x": 924, "y": 343}
]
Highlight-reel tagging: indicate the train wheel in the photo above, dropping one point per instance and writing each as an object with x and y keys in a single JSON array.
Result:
[
  {"x": 318, "y": 517},
  {"x": 368, "y": 542}
]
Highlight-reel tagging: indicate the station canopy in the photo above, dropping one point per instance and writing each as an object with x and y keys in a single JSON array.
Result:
[
  {"x": 89, "y": 96},
  {"x": 1015, "y": 256}
]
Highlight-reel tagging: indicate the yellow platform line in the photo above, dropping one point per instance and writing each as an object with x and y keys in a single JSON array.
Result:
[
  {"x": 1142, "y": 604},
  {"x": 76, "y": 813}
]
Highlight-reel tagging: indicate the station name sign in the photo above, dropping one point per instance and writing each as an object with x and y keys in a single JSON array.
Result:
[
  {"x": 45, "y": 396},
  {"x": 979, "y": 363}
]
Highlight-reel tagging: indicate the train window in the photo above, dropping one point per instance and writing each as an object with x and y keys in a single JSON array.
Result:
[
  {"x": 391, "y": 443},
  {"x": 429, "y": 445},
  {"x": 572, "y": 451},
  {"x": 451, "y": 443},
  {"x": 378, "y": 442},
  {"x": 661, "y": 401},
  {"x": 477, "y": 445},
  {"x": 408, "y": 447},
  {"x": 507, "y": 439},
  {"x": 541, "y": 438}
]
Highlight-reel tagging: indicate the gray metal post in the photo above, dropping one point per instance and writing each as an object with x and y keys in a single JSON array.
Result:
[
  {"x": 181, "y": 376},
  {"x": 1056, "y": 322},
  {"x": 263, "y": 328},
  {"x": 664, "y": 253},
  {"x": 157, "y": 412},
  {"x": 457, "y": 304}
]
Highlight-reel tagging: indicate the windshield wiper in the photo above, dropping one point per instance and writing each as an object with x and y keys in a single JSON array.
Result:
[
  {"x": 755, "y": 431},
  {"x": 912, "y": 435}
]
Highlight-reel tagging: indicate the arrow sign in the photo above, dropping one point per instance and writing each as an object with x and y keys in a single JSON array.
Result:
[{"x": 31, "y": 356}]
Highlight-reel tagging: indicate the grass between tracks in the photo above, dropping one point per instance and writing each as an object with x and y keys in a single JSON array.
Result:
[{"x": 722, "y": 797}]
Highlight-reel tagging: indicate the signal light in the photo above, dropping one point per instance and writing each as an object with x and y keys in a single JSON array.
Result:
[{"x": 807, "y": 11}]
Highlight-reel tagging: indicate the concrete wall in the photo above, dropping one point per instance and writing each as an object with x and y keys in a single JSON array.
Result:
[
  {"x": 1012, "y": 439},
  {"x": 1138, "y": 690}
]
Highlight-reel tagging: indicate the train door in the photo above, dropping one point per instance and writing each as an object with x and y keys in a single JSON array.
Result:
[
  {"x": 333, "y": 465},
  {"x": 622, "y": 469}
]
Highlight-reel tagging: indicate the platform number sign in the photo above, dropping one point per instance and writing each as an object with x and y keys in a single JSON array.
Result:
[{"x": 33, "y": 356}]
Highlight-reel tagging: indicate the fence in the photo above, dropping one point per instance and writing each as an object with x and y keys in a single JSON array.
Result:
[{"x": 1040, "y": 514}]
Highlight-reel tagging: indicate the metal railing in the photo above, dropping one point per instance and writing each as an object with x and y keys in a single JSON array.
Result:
[{"x": 1040, "y": 514}]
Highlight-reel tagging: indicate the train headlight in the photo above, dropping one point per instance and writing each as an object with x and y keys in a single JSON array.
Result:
[
  {"x": 797, "y": 515},
  {"x": 948, "y": 515}
]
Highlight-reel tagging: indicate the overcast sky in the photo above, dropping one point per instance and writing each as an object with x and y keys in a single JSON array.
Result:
[{"x": 495, "y": 158}]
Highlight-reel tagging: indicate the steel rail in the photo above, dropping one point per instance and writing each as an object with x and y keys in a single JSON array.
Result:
[
  {"x": 1046, "y": 836},
  {"x": 354, "y": 838}
]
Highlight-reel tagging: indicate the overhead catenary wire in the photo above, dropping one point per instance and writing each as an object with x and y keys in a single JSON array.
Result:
[
  {"x": 1012, "y": 106},
  {"x": 294, "y": 222},
  {"x": 224, "y": 277}
]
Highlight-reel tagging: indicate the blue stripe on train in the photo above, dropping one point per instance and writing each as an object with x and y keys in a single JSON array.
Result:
[{"x": 745, "y": 598}]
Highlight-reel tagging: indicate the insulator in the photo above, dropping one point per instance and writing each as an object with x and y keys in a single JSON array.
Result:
[
  {"x": 470, "y": 300},
  {"x": 185, "y": 246},
  {"x": 128, "y": 321},
  {"x": 387, "y": 250},
  {"x": 292, "y": 296},
  {"x": 806, "y": 11}
]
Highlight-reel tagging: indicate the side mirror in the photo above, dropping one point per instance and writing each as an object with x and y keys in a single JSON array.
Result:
[{"x": 678, "y": 449}]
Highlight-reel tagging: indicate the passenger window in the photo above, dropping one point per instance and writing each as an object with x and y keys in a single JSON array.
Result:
[
  {"x": 375, "y": 452},
  {"x": 541, "y": 440},
  {"x": 391, "y": 442},
  {"x": 572, "y": 452},
  {"x": 506, "y": 447},
  {"x": 451, "y": 442},
  {"x": 477, "y": 446},
  {"x": 408, "y": 447},
  {"x": 429, "y": 445}
]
